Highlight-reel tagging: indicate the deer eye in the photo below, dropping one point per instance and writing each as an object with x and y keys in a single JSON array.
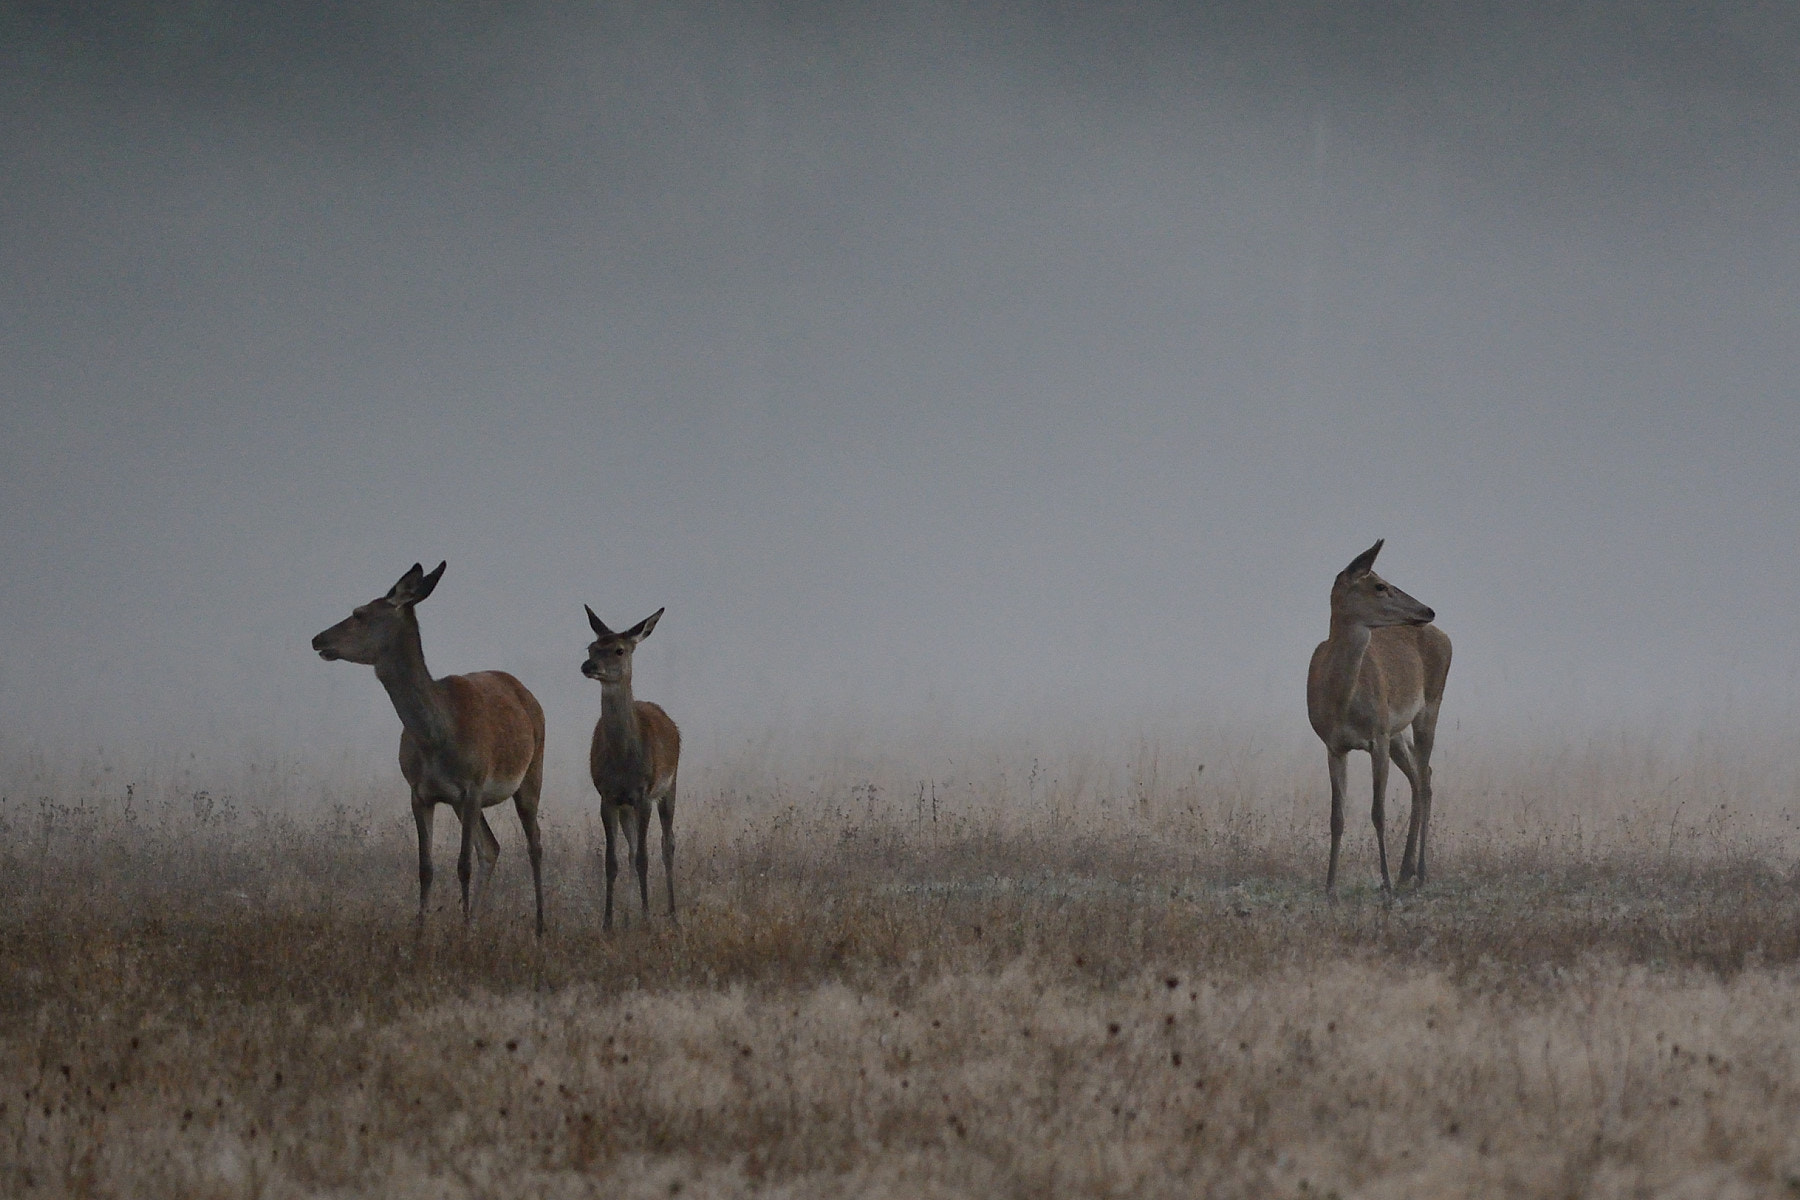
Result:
[
  {"x": 618, "y": 654},
  {"x": 1381, "y": 589}
]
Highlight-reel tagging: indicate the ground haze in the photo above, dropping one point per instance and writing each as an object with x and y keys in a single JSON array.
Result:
[{"x": 1079, "y": 976}]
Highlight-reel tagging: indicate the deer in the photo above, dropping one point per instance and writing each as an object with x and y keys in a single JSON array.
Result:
[
  {"x": 469, "y": 741},
  {"x": 1381, "y": 669},
  {"x": 632, "y": 759}
]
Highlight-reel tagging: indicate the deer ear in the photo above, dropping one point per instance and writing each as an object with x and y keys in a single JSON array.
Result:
[
  {"x": 430, "y": 582},
  {"x": 642, "y": 629},
  {"x": 599, "y": 626},
  {"x": 402, "y": 590},
  {"x": 415, "y": 585},
  {"x": 1363, "y": 563}
]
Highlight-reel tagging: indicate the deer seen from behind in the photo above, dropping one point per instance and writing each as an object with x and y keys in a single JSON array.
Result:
[
  {"x": 469, "y": 741},
  {"x": 633, "y": 759},
  {"x": 1381, "y": 669}
]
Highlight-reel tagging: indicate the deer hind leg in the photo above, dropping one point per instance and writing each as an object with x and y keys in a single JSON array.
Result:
[
  {"x": 1402, "y": 755},
  {"x": 487, "y": 852},
  {"x": 666, "y": 810},
  {"x": 422, "y": 813},
  {"x": 1378, "y": 812},
  {"x": 475, "y": 862},
  {"x": 468, "y": 810},
  {"x": 641, "y": 855},
  {"x": 609, "y": 818},
  {"x": 526, "y": 801},
  {"x": 1335, "y": 762},
  {"x": 1424, "y": 737},
  {"x": 628, "y": 822}
]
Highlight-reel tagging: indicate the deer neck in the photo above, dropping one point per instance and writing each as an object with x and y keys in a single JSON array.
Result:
[
  {"x": 1345, "y": 648},
  {"x": 618, "y": 715},
  {"x": 416, "y": 696}
]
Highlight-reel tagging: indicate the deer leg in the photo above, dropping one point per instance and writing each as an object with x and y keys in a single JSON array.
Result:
[
  {"x": 422, "y": 813},
  {"x": 1424, "y": 737},
  {"x": 1378, "y": 763},
  {"x": 1335, "y": 763},
  {"x": 641, "y": 859},
  {"x": 487, "y": 852},
  {"x": 1401, "y": 753},
  {"x": 609, "y": 818},
  {"x": 627, "y": 841},
  {"x": 526, "y": 802},
  {"x": 666, "y": 810},
  {"x": 468, "y": 810}
]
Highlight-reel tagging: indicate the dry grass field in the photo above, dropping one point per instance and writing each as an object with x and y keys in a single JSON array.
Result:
[{"x": 1014, "y": 974}]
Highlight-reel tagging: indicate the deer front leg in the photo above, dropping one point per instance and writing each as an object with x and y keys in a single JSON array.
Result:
[
  {"x": 1378, "y": 812},
  {"x": 1335, "y": 763},
  {"x": 422, "y": 812},
  {"x": 609, "y": 819}
]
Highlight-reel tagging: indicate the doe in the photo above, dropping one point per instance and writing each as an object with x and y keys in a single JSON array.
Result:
[
  {"x": 633, "y": 758},
  {"x": 469, "y": 741},
  {"x": 1381, "y": 669}
]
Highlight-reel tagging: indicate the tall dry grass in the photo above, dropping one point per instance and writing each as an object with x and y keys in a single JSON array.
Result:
[{"x": 1002, "y": 967}]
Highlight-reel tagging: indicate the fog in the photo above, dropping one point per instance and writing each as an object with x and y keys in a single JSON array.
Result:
[{"x": 978, "y": 365}]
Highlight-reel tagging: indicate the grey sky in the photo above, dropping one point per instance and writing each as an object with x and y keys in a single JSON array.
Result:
[{"x": 1021, "y": 357}]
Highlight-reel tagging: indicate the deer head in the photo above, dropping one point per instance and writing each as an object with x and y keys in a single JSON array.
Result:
[
  {"x": 609, "y": 655},
  {"x": 1362, "y": 597},
  {"x": 372, "y": 628}
]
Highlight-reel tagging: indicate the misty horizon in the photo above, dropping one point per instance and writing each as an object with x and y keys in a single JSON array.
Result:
[{"x": 992, "y": 362}]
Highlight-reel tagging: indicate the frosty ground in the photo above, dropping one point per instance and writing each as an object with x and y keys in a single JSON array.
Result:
[{"x": 1083, "y": 976}]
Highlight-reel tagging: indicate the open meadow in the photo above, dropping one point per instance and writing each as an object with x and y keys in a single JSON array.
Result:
[
  {"x": 1015, "y": 973},
  {"x": 989, "y": 407}
]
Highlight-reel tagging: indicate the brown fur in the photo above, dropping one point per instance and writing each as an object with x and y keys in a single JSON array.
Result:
[
  {"x": 633, "y": 759},
  {"x": 1381, "y": 670},
  {"x": 499, "y": 734},
  {"x": 469, "y": 741},
  {"x": 652, "y": 768}
]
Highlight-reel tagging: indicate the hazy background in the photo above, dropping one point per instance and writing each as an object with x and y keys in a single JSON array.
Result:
[{"x": 1032, "y": 360}]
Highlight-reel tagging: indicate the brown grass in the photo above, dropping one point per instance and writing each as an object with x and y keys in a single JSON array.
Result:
[{"x": 1104, "y": 977}]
